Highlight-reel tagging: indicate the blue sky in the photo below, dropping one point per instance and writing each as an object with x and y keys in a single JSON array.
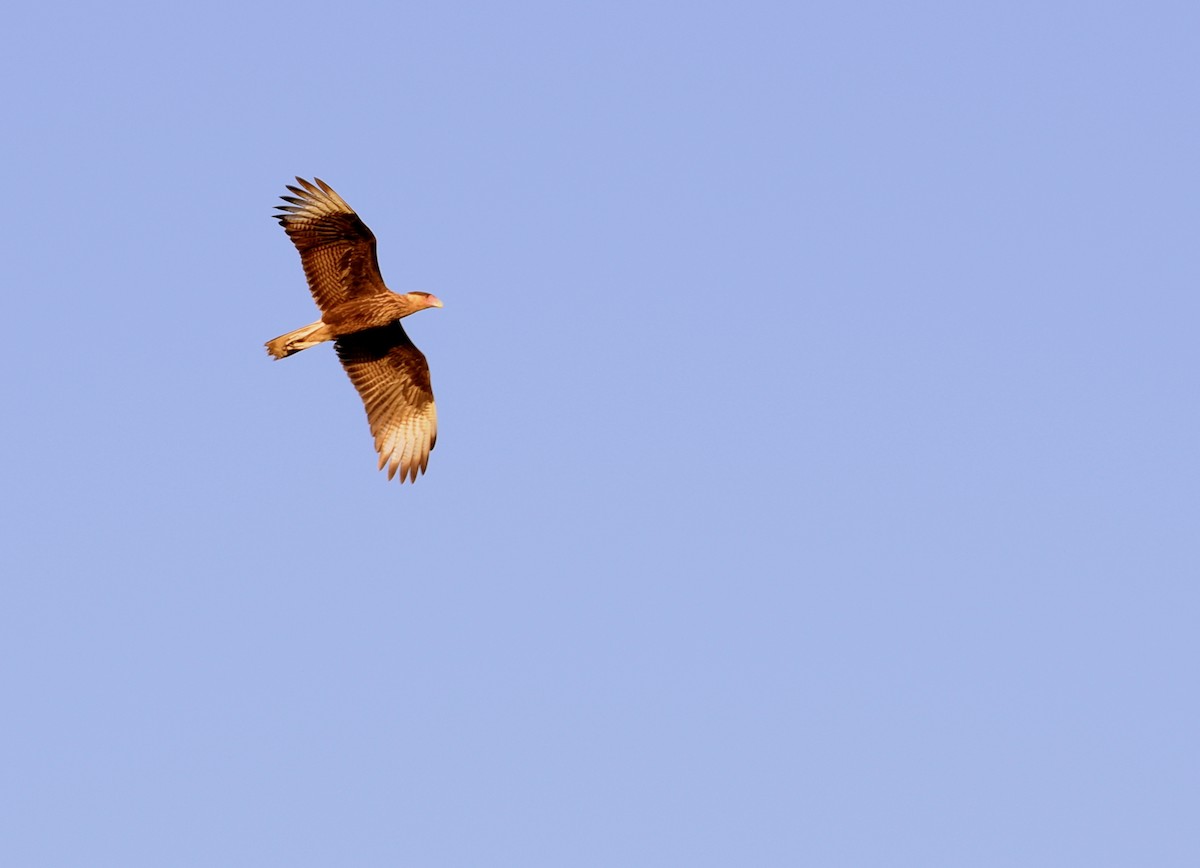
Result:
[{"x": 817, "y": 475}]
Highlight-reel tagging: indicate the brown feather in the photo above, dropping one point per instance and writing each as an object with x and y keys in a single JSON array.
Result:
[
  {"x": 336, "y": 247},
  {"x": 392, "y": 378}
]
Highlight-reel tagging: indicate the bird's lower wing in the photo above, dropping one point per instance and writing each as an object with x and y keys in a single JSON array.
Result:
[{"x": 392, "y": 377}]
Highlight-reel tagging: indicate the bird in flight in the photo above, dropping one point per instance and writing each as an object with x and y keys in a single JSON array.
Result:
[{"x": 362, "y": 317}]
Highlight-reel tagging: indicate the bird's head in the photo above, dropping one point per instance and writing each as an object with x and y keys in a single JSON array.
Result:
[{"x": 422, "y": 300}]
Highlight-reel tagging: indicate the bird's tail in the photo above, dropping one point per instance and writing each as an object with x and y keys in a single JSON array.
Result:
[{"x": 301, "y": 339}]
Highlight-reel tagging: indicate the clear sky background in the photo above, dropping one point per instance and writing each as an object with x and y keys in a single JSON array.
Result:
[{"x": 817, "y": 480}]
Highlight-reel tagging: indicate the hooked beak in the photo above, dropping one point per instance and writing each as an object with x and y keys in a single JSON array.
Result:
[{"x": 434, "y": 301}]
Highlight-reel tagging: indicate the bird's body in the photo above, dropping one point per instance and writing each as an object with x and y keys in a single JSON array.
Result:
[{"x": 363, "y": 316}]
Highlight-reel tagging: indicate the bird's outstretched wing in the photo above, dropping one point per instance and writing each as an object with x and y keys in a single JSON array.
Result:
[
  {"x": 336, "y": 247},
  {"x": 392, "y": 377}
]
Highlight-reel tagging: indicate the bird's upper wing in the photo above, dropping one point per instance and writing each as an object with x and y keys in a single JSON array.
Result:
[
  {"x": 336, "y": 247},
  {"x": 392, "y": 377}
]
